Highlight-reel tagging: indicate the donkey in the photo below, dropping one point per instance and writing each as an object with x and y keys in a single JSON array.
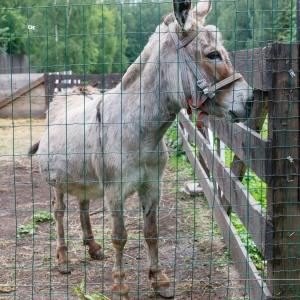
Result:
[{"x": 114, "y": 147}]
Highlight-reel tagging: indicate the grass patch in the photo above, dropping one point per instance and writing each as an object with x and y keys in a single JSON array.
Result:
[
  {"x": 32, "y": 225},
  {"x": 80, "y": 292},
  {"x": 253, "y": 251},
  {"x": 28, "y": 228},
  {"x": 258, "y": 189},
  {"x": 178, "y": 160}
]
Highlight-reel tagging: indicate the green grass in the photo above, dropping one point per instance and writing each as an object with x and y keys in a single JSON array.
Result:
[
  {"x": 253, "y": 251},
  {"x": 258, "y": 189},
  {"x": 178, "y": 160},
  {"x": 32, "y": 225},
  {"x": 80, "y": 292}
]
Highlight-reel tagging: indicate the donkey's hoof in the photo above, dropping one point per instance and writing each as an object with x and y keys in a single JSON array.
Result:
[
  {"x": 120, "y": 292},
  {"x": 95, "y": 250},
  {"x": 167, "y": 293},
  {"x": 160, "y": 284},
  {"x": 65, "y": 268},
  {"x": 97, "y": 255}
]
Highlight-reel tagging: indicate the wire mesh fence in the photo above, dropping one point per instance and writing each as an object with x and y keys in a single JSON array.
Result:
[{"x": 101, "y": 93}]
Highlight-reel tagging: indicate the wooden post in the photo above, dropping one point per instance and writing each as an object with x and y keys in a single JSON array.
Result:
[{"x": 283, "y": 172}]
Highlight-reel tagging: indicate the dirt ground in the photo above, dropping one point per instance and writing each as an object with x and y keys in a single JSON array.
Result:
[{"x": 191, "y": 248}]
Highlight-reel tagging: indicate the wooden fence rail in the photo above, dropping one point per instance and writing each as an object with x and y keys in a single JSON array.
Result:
[
  {"x": 58, "y": 81},
  {"x": 274, "y": 74}
]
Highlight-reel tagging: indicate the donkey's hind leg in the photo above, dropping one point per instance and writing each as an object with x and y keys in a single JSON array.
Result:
[
  {"x": 160, "y": 283},
  {"x": 61, "y": 249},
  {"x": 88, "y": 237}
]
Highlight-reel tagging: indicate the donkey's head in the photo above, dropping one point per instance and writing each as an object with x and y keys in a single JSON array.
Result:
[{"x": 208, "y": 78}]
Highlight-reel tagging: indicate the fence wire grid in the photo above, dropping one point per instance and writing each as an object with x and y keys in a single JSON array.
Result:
[{"x": 95, "y": 95}]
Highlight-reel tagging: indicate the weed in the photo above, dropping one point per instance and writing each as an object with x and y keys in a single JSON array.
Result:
[
  {"x": 80, "y": 289},
  {"x": 253, "y": 251},
  {"x": 31, "y": 226},
  {"x": 28, "y": 228},
  {"x": 224, "y": 260},
  {"x": 178, "y": 160},
  {"x": 256, "y": 187},
  {"x": 46, "y": 258},
  {"x": 43, "y": 217}
]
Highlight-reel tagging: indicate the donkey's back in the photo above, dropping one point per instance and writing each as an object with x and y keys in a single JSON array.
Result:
[{"x": 68, "y": 146}]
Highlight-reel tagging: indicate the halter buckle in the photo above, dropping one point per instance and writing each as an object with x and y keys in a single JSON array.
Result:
[
  {"x": 202, "y": 85},
  {"x": 207, "y": 92}
]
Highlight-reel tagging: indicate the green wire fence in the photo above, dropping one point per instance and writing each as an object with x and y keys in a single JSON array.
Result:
[{"x": 228, "y": 215}]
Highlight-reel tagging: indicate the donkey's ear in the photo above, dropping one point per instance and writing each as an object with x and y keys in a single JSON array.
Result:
[
  {"x": 182, "y": 11},
  {"x": 202, "y": 9}
]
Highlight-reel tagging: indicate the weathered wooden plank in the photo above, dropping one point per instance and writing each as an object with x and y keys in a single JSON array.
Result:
[
  {"x": 248, "y": 210},
  {"x": 255, "y": 122},
  {"x": 62, "y": 81},
  {"x": 243, "y": 141},
  {"x": 14, "y": 64},
  {"x": 284, "y": 172},
  {"x": 257, "y": 288},
  {"x": 252, "y": 64},
  {"x": 20, "y": 85}
]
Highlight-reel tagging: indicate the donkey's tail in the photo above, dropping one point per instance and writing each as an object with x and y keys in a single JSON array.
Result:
[{"x": 33, "y": 150}]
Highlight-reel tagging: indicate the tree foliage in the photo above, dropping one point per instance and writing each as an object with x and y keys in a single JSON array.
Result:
[
  {"x": 12, "y": 30},
  {"x": 141, "y": 19},
  {"x": 100, "y": 36},
  {"x": 248, "y": 24},
  {"x": 81, "y": 38}
]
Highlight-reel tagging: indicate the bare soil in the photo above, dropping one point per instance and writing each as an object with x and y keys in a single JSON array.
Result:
[{"x": 191, "y": 250}]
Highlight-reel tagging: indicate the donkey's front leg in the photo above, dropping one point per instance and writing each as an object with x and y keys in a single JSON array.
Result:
[
  {"x": 160, "y": 282},
  {"x": 88, "y": 237},
  {"x": 119, "y": 238}
]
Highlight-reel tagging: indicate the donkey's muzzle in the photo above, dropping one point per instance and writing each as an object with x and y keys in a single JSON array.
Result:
[{"x": 242, "y": 117}]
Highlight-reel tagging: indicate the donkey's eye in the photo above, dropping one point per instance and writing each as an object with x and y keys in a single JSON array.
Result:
[{"x": 214, "y": 55}]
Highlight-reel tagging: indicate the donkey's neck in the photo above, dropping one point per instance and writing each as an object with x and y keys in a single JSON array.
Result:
[{"x": 151, "y": 86}]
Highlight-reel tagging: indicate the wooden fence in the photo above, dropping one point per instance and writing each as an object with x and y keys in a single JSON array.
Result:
[
  {"x": 14, "y": 64},
  {"x": 58, "y": 81},
  {"x": 274, "y": 73}
]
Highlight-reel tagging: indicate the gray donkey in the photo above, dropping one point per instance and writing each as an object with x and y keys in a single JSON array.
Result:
[{"x": 113, "y": 147}]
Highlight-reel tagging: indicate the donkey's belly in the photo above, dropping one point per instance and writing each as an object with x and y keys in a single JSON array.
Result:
[{"x": 84, "y": 191}]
